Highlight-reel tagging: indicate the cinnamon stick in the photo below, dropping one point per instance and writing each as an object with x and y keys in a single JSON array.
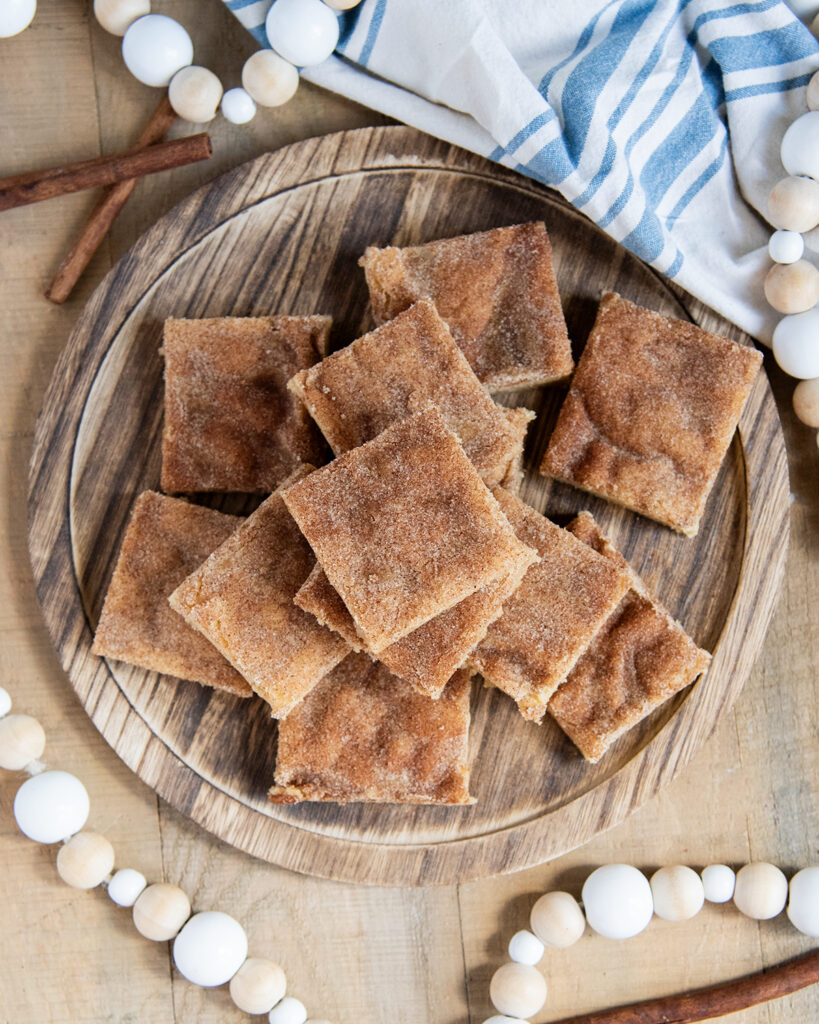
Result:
[
  {"x": 107, "y": 209},
  {"x": 35, "y": 186},
  {"x": 715, "y": 1001}
]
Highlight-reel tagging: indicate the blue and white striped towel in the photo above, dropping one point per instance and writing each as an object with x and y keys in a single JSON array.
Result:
[{"x": 659, "y": 119}]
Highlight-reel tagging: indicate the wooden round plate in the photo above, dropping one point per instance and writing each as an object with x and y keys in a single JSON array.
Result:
[{"x": 283, "y": 234}]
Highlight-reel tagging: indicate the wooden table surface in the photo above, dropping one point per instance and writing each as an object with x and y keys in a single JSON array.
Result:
[{"x": 351, "y": 953}]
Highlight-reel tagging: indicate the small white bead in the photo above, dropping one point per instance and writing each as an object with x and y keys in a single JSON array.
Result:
[
  {"x": 761, "y": 891},
  {"x": 288, "y": 1011},
  {"x": 160, "y": 911},
  {"x": 678, "y": 893},
  {"x": 194, "y": 94},
  {"x": 806, "y": 402},
  {"x": 22, "y": 740},
  {"x": 786, "y": 246},
  {"x": 86, "y": 860},
  {"x": 210, "y": 949},
  {"x": 5, "y": 702},
  {"x": 499, "y": 1018},
  {"x": 557, "y": 920},
  {"x": 15, "y": 15},
  {"x": 803, "y": 904},
  {"x": 238, "y": 106},
  {"x": 258, "y": 985},
  {"x": 525, "y": 948},
  {"x": 269, "y": 79},
  {"x": 305, "y": 32},
  {"x": 617, "y": 900},
  {"x": 800, "y": 146},
  {"x": 796, "y": 344},
  {"x": 718, "y": 883},
  {"x": 793, "y": 204},
  {"x": 51, "y": 806},
  {"x": 155, "y": 47},
  {"x": 517, "y": 990},
  {"x": 116, "y": 15},
  {"x": 126, "y": 886},
  {"x": 812, "y": 95},
  {"x": 792, "y": 287}
]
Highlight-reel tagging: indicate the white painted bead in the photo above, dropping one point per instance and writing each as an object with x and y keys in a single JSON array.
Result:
[
  {"x": 194, "y": 94},
  {"x": 288, "y": 1011},
  {"x": 678, "y": 893},
  {"x": 796, "y": 344},
  {"x": 342, "y": 5},
  {"x": 160, "y": 911},
  {"x": 15, "y": 15},
  {"x": 238, "y": 106},
  {"x": 812, "y": 94},
  {"x": 305, "y": 32},
  {"x": 116, "y": 15},
  {"x": 786, "y": 246},
  {"x": 557, "y": 920},
  {"x": 22, "y": 740},
  {"x": 617, "y": 900},
  {"x": 517, "y": 990},
  {"x": 792, "y": 287},
  {"x": 5, "y": 702},
  {"x": 86, "y": 860},
  {"x": 155, "y": 47},
  {"x": 525, "y": 948},
  {"x": 761, "y": 891},
  {"x": 806, "y": 402},
  {"x": 126, "y": 886},
  {"x": 269, "y": 79},
  {"x": 718, "y": 883},
  {"x": 800, "y": 146},
  {"x": 803, "y": 904},
  {"x": 793, "y": 204},
  {"x": 501, "y": 1018},
  {"x": 210, "y": 949},
  {"x": 51, "y": 806},
  {"x": 258, "y": 985}
]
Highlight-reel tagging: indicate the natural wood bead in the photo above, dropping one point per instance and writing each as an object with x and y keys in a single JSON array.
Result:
[
  {"x": 22, "y": 741},
  {"x": 160, "y": 911},
  {"x": 761, "y": 891},
  {"x": 517, "y": 990},
  {"x": 116, "y": 15},
  {"x": 792, "y": 287},
  {"x": 258, "y": 985},
  {"x": 678, "y": 892},
  {"x": 195, "y": 93},
  {"x": 269, "y": 79},
  {"x": 85, "y": 860},
  {"x": 342, "y": 5},
  {"x": 806, "y": 402},
  {"x": 557, "y": 920},
  {"x": 812, "y": 95},
  {"x": 793, "y": 204}
]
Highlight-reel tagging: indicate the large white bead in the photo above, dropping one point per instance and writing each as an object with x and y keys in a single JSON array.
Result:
[
  {"x": 238, "y": 106},
  {"x": 793, "y": 287},
  {"x": 803, "y": 905},
  {"x": 269, "y": 79},
  {"x": 15, "y": 15},
  {"x": 785, "y": 246},
  {"x": 812, "y": 95},
  {"x": 194, "y": 94},
  {"x": 761, "y": 891},
  {"x": 678, "y": 893},
  {"x": 517, "y": 990},
  {"x": 86, "y": 860},
  {"x": 806, "y": 402},
  {"x": 525, "y": 948},
  {"x": 116, "y": 15},
  {"x": 305, "y": 32},
  {"x": 160, "y": 911},
  {"x": 258, "y": 985},
  {"x": 501, "y": 1018},
  {"x": 288, "y": 1011},
  {"x": 800, "y": 146},
  {"x": 793, "y": 204},
  {"x": 210, "y": 949},
  {"x": 718, "y": 883},
  {"x": 51, "y": 806},
  {"x": 617, "y": 900},
  {"x": 557, "y": 920},
  {"x": 155, "y": 47},
  {"x": 22, "y": 740},
  {"x": 796, "y": 344},
  {"x": 126, "y": 886},
  {"x": 5, "y": 702}
]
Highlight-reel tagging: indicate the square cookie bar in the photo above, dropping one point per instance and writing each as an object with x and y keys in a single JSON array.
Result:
[
  {"x": 363, "y": 735},
  {"x": 497, "y": 292},
  {"x": 551, "y": 619},
  {"x": 241, "y": 599},
  {"x": 639, "y": 659},
  {"x": 519, "y": 419},
  {"x": 398, "y": 369},
  {"x": 650, "y": 413},
  {"x": 230, "y": 422},
  {"x": 165, "y": 540},
  {"x": 404, "y": 528}
]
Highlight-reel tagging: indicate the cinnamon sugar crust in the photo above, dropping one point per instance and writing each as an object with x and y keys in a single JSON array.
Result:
[
  {"x": 241, "y": 599},
  {"x": 650, "y": 413},
  {"x": 497, "y": 292},
  {"x": 393, "y": 372},
  {"x": 519, "y": 419},
  {"x": 364, "y": 735},
  {"x": 404, "y": 528},
  {"x": 165, "y": 540},
  {"x": 639, "y": 659},
  {"x": 230, "y": 422}
]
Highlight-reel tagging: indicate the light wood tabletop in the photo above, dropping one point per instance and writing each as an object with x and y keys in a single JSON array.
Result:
[{"x": 351, "y": 953}]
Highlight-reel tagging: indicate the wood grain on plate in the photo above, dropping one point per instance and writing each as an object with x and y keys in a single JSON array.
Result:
[{"x": 283, "y": 234}]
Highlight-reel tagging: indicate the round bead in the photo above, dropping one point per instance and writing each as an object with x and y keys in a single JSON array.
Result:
[
  {"x": 800, "y": 146},
  {"x": 15, "y": 15},
  {"x": 269, "y": 79},
  {"x": 718, "y": 883},
  {"x": 793, "y": 204},
  {"x": 678, "y": 893},
  {"x": 5, "y": 702},
  {"x": 517, "y": 990},
  {"x": 155, "y": 47},
  {"x": 803, "y": 905},
  {"x": 194, "y": 94},
  {"x": 792, "y": 287},
  {"x": 116, "y": 15},
  {"x": 796, "y": 344},
  {"x": 557, "y": 920},
  {"x": 342, "y": 5},
  {"x": 525, "y": 948},
  {"x": 617, "y": 899},
  {"x": 51, "y": 806},
  {"x": 160, "y": 911},
  {"x": 806, "y": 402},
  {"x": 86, "y": 860},
  {"x": 812, "y": 94},
  {"x": 258, "y": 985},
  {"x": 501, "y": 1018},
  {"x": 761, "y": 891},
  {"x": 786, "y": 246},
  {"x": 22, "y": 740},
  {"x": 238, "y": 106},
  {"x": 305, "y": 32},
  {"x": 126, "y": 886},
  {"x": 288, "y": 1011},
  {"x": 814, "y": 26},
  {"x": 210, "y": 949}
]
